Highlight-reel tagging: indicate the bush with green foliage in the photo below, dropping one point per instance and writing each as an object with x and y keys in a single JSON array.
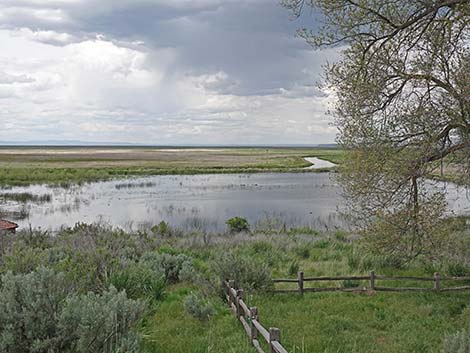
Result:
[
  {"x": 162, "y": 228},
  {"x": 248, "y": 273},
  {"x": 198, "y": 306},
  {"x": 101, "y": 322},
  {"x": 187, "y": 272},
  {"x": 140, "y": 282},
  {"x": 238, "y": 225},
  {"x": 171, "y": 266},
  {"x": 41, "y": 313}
]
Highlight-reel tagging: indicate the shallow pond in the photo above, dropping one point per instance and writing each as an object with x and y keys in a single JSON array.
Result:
[{"x": 191, "y": 202}]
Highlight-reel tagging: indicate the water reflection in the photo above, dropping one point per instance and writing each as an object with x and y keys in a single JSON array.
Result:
[{"x": 197, "y": 202}]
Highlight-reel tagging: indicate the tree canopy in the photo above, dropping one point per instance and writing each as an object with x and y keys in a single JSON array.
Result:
[{"x": 402, "y": 107}]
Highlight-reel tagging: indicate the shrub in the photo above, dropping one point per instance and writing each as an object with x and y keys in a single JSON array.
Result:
[
  {"x": 24, "y": 259},
  {"x": 40, "y": 313},
  {"x": 162, "y": 228},
  {"x": 28, "y": 305},
  {"x": 247, "y": 272},
  {"x": 140, "y": 282},
  {"x": 457, "y": 343},
  {"x": 238, "y": 225},
  {"x": 101, "y": 323},
  {"x": 199, "y": 307},
  {"x": 87, "y": 269},
  {"x": 170, "y": 265},
  {"x": 187, "y": 272}
]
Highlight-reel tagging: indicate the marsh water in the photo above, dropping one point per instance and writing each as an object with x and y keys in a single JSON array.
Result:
[{"x": 196, "y": 202}]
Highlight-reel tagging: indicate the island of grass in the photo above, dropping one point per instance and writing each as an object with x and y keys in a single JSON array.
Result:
[{"x": 63, "y": 165}]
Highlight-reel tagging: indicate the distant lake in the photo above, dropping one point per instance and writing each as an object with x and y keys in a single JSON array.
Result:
[{"x": 201, "y": 202}]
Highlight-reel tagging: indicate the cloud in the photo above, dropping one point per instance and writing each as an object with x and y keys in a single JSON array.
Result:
[
  {"x": 49, "y": 37},
  {"x": 6, "y": 78},
  {"x": 163, "y": 71}
]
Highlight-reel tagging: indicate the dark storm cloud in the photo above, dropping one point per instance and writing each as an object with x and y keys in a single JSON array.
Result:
[{"x": 253, "y": 42}]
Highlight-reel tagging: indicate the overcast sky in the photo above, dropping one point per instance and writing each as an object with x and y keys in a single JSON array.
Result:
[{"x": 159, "y": 72}]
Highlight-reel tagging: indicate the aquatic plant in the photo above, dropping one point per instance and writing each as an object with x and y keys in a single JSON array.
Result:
[{"x": 238, "y": 225}]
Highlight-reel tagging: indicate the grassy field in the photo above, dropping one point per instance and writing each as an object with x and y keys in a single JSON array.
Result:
[
  {"x": 342, "y": 322},
  {"x": 20, "y": 166}
]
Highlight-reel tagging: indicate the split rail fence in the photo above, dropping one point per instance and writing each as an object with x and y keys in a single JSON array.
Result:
[
  {"x": 372, "y": 279},
  {"x": 249, "y": 317}
]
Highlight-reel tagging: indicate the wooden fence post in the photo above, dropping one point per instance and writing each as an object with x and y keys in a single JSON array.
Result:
[
  {"x": 237, "y": 302},
  {"x": 274, "y": 336},
  {"x": 437, "y": 281},
  {"x": 253, "y": 316},
  {"x": 231, "y": 284},
  {"x": 372, "y": 280},
  {"x": 301, "y": 282}
]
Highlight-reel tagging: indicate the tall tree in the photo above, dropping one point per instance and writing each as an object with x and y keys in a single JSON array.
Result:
[{"x": 402, "y": 108}]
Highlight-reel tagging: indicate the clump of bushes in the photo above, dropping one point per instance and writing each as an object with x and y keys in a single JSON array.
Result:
[
  {"x": 238, "y": 225},
  {"x": 248, "y": 273},
  {"x": 199, "y": 307},
  {"x": 174, "y": 267},
  {"x": 42, "y": 313}
]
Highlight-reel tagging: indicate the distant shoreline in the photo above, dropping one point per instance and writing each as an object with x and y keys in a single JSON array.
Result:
[
  {"x": 71, "y": 165},
  {"x": 54, "y": 146}
]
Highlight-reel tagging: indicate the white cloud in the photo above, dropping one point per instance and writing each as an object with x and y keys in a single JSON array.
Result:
[
  {"x": 7, "y": 78},
  {"x": 157, "y": 71}
]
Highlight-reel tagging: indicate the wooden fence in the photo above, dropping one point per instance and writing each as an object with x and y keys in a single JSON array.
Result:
[
  {"x": 249, "y": 317},
  {"x": 372, "y": 279}
]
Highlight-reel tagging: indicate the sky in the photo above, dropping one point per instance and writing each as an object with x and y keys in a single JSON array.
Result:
[{"x": 160, "y": 72}]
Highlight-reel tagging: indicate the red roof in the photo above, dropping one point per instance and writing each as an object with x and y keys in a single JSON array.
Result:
[{"x": 7, "y": 225}]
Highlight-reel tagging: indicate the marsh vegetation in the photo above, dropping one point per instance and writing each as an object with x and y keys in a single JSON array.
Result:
[{"x": 167, "y": 286}]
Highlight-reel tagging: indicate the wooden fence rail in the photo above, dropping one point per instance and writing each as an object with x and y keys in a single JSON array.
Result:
[
  {"x": 249, "y": 317},
  {"x": 372, "y": 278}
]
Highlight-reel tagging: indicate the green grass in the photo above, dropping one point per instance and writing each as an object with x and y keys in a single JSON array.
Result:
[
  {"x": 172, "y": 329},
  {"x": 381, "y": 322}
]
